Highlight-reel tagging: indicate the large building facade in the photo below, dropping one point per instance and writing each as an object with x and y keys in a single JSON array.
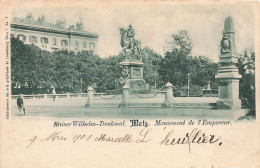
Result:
[{"x": 51, "y": 37}]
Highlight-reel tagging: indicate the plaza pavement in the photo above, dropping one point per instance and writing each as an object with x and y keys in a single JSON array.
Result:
[{"x": 75, "y": 107}]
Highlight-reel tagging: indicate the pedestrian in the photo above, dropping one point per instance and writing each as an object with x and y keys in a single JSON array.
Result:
[
  {"x": 20, "y": 104},
  {"x": 54, "y": 94}
]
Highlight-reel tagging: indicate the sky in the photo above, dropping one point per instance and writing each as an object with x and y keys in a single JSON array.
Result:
[{"x": 154, "y": 24}]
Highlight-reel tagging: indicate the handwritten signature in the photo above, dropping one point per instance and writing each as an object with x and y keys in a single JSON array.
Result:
[{"x": 194, "y": 137}]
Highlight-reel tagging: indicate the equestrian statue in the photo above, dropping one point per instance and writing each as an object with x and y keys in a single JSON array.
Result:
[{"x": 128, "y": 42}]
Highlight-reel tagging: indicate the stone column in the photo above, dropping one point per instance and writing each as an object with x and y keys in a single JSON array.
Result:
[
  {"x": 168, "y": 96},
  {"x": 90, "y": 97},
  {"x": 68, "y": 95},
  {"x": 125, "y": 97},
  {"x": 228, "y": 77}
]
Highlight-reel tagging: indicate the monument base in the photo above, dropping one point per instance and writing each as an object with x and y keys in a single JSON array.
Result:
[
  {"x": 136, "y": 84},
  {"x": 234, "y": 104},
  {"x": 132, "y": 72}
]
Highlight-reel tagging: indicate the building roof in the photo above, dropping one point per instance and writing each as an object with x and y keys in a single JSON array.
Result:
[{"x": 29, "y": 23}]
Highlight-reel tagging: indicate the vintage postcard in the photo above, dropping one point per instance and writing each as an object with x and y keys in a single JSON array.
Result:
[{"x": 142, "y": 84}]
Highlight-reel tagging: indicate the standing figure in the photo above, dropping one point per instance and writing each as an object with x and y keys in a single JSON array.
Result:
[
  {"x": 20, "y": 104},
  {"x": 54, "y": 94},
  {"x": 131, "y": 34}
]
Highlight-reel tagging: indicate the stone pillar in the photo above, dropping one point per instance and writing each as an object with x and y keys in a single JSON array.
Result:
[
  {"x": 228, "y": 77},
  {"x": 90, "y": 97},
  {"x": 168, "y": 96},
  {"x": 125, "y": 97},
  {"x": 68, "y": 95}
]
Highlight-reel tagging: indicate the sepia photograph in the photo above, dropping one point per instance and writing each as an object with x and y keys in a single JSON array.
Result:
[
  {"x": 123, "y": 84},
  {"x": 72, "y": 62}
]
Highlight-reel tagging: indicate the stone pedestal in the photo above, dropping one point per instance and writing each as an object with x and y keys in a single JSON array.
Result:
[
  {"x": 125, "y": 96},
  {"x": 168, "y": 96},
  {"x": 228, "y": 92},
  {"x": 90, "y": 97},
  {"x": 132, "y": 71}
]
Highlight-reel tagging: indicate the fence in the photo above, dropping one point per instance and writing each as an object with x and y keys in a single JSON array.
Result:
[{"x": 58, "y": 96}]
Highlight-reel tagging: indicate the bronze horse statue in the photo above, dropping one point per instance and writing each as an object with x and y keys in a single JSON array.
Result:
[{"x": 126, "y": 44}]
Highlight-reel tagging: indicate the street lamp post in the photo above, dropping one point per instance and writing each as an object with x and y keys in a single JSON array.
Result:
[
  {"x": 81, "y": 85},
  {"x": 155, "y": 80},
  {"x": 188, "y": 85}
]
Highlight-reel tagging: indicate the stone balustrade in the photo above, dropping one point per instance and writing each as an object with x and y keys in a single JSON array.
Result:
[{"x": 58, "y": 96}]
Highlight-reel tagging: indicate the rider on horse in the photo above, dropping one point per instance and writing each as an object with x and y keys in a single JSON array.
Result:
[
  {"x": 128, "y": 42},
  {"x": 130, "y": 34}
]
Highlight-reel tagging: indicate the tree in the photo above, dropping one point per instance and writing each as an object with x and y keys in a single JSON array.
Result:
[
  {"x": 17, "y": 63},
  {"x": 202, "y": 70},
  {"x": 111, "y": 71},
  {"x": 29, "y": 64},
  {"x": 174, "y": 66},
  {"x": 179, "y": 62},
  {"x": 65, "y": 76},
  {"x": 151, "y": 62},
  {"x": 91, "y": 69},
  {"x": 180, "y": 42},
  {"x": 246, "y": 66}
]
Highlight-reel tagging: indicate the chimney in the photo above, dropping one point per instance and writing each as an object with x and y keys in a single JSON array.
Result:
[
  {"x": 61, "y": 23},
  {"x": 72, "y": 27},
  {"x": 29, "y": 17},
  {"x": 79, "y": 26},
  {"x": 41, "y": 19}
]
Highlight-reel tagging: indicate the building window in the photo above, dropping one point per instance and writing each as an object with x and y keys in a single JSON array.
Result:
[
  {"x": 33, "y": 39},
  {"x": 64, "y": 42},
  {"x": 54, "y": 41},
  {"x": 44, "y": 40},
  {"x": 92, "y": 46},
  {"x": 76, "y": 43},
  {"x": 22, "y": 37},
  {"x": 84, "y": 44}
]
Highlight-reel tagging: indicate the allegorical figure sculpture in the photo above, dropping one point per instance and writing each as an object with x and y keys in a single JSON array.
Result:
[{"x": 128, "y": 42}]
